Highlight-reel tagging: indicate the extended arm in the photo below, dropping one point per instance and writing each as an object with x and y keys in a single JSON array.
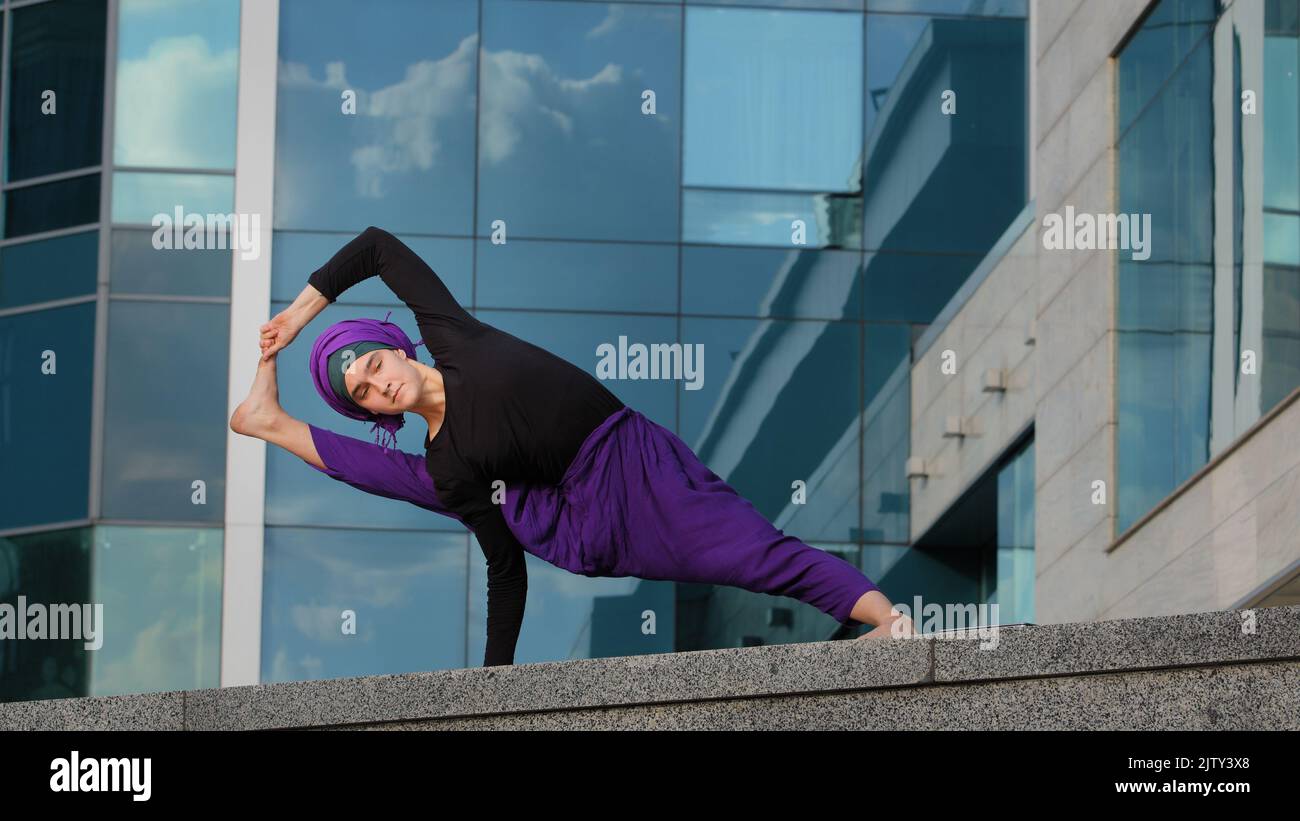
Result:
[
  {"x": 377, "y": 470},
  {"x": 442, "y": 320}
]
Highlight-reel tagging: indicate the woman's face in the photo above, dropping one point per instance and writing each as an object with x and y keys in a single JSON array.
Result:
[{"x": 383, "y": 381}]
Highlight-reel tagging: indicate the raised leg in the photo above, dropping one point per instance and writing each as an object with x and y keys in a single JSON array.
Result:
[{"x": 261, "y": 416}]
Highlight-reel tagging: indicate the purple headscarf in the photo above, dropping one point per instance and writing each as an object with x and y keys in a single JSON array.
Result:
[{"x": 349, "y": 332}]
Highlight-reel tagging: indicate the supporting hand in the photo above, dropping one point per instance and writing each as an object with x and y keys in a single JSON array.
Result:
[
  {"x": 285, "y": 325},
  {"x": 279, "y": 332}
]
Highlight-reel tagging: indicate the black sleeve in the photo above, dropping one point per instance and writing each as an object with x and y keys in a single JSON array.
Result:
[
  {"x": 507, "y": 581},
  {"x": 442, "y": 320}
]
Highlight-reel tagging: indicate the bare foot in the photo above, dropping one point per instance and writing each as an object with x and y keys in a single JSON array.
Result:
[
  {"x": 886, "y": 629},
  {"x": 261, "y": 409}
]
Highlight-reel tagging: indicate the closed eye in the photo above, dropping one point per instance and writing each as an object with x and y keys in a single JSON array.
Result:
[{"x": 374, "y": 368}]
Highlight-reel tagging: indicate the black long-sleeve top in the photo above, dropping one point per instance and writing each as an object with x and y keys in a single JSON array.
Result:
[{"x": 514, "y": 412}]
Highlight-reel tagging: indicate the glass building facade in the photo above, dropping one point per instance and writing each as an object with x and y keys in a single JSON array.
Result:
[
  {"x": 798, "y": 186},
  {"x": 113, "y": 363},
  {"x": 1209, "y": 324}
]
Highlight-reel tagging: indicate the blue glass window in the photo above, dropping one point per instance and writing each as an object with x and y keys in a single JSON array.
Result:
[
  {"x": 752, "y": 282},
  {"x": 53, "y": 567},
  {"x": 597, "y": 276},
  {"x": 339, "y": 603},
  {"x": 25, "y": 269},
  {"x": 402, "y": 156},
  {"x": 938, "y": 181},
  {"x": 56, "y": 87},
  {"x": 161, "y": 591},
  {"x": 137, "y": 267},
  {"x": 778, "y": 404},
  {"x": 45, "y": 403},
  {"x": 564, "y": 148},
  {"x": 1166, "y": 307},
  {"x": 138, "y": 198},
  {"x": 163, "y": 356},
  {"x": 32, "y": 209},
  {"x": 159, "y": 121},
  {"x": 773, "y": 126},
  {"x": 1015, "y": 553}
]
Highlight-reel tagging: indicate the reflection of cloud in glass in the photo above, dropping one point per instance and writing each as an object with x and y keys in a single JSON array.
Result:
[
  {"x": 412, "y": 110},
  {"x": 428, "y": 98},
  {"x": 322, "y": 622},
  {"x": 157, "y": 125},
  {"x": 615, "y": 15},
  {"x": 305, "y": 668},
  {"x": 161, "y": 591},
  {"x": 385, "y": 584}
]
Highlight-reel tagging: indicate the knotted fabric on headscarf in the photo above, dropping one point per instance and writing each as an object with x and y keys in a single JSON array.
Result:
[{"x": 344, "y": 334}]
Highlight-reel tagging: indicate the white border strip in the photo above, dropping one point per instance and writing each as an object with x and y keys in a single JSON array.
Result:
[{"x": 250, "y": 306}]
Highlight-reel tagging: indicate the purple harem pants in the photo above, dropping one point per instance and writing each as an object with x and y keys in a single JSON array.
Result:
[{"x": 635, "y": 501}]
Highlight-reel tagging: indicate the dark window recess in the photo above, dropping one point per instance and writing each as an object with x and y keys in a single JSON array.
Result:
[
  {"x": 56, "y": 47},
  {"x": 52, "y": 205}
]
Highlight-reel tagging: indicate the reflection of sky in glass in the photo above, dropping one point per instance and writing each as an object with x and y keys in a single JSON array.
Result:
[
  {"x": 166, "y": 410},
  {"x": 1163, "y": 403},
  {"x": 1014, "y": 594},
  {"x": 773, "y": 99},
  {"x": 890, "y": 39},
  {"x": 593, "y": 276},
  {"x": 983, "y": 8},
  {"x": 1281, "y": 122},
  {"x": 1165, "y": 100},
  {"x": 1282, "y": 239},
  {"x": 846, "y": 5},
  {"x": 1155, "y": 52},
  {"x": 138, "y": 197},
  {"x": 161, "y": 592},
  {"x": 564, "y": 150},
  {"x": 178, "y": 66},
  {"x": 752, "y": 218},
  {"x": 137, "y": 267},
  {"x": 405, "y": 160},
  {"x": 755, "y": 282},
  {"x": 407, "y": 591}
]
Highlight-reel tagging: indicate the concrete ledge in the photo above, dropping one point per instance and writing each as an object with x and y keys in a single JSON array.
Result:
[
  {"x": 1189, "y": 671},
  {"x": 147, "y": 711}
]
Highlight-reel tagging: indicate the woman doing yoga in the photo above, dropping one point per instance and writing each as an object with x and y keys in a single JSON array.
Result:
[{"x": 529, "y": 452}]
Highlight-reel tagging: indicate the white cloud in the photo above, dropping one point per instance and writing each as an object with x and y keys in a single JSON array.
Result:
[
  {"x": 432, "y": 93},
  {"x": 169, "y": 101}
]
